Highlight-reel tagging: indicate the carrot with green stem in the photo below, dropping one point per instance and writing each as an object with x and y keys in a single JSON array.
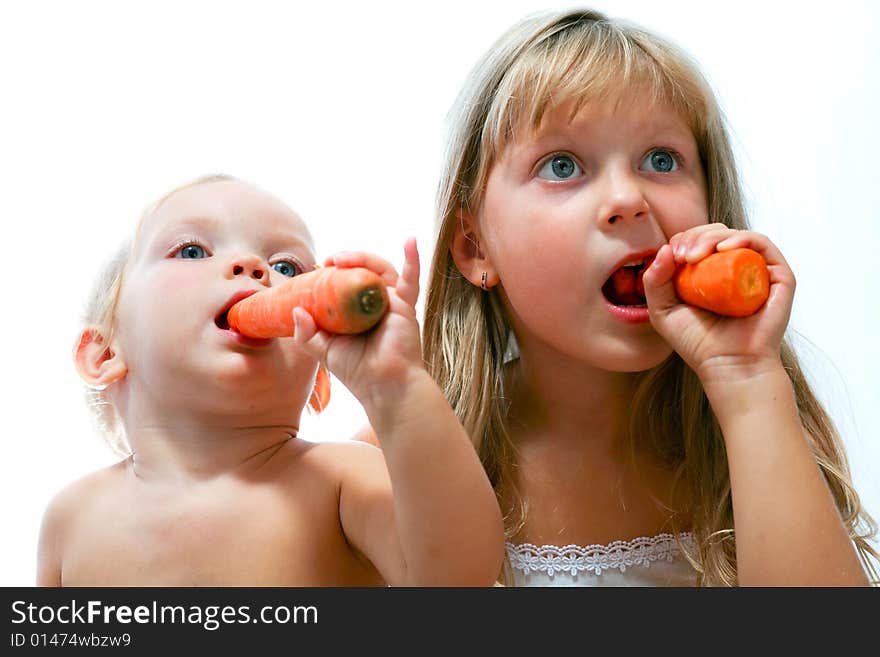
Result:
[
  {"x": 733, "y": 283},
  {"x": 342, "y": 300}
]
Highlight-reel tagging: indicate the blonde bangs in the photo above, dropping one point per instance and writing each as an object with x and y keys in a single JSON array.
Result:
[{"x": 593, "y": 62}]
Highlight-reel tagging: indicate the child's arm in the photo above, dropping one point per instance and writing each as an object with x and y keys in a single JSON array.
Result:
[
  {"x": 442, "y": 526},
  {"x": 49, "y": 548},
  {"x": 788, "y": 529},
  {"x": 366, "y": 435}
]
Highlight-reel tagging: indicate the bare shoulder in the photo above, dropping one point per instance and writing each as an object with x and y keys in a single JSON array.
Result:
[
  {"x": 61, "y": 514},
  {"x": 327, "y": 465},
  {"x": 344, "y": 460},
  {"x": 80, "y": 492}
]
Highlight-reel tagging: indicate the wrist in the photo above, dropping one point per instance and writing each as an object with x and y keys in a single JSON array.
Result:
[
  {"x": 389, "y": 394},
  {"x": 736, "y": 388},
  {"x": 400, "y": 408},
  {"x": 732, "y": 370}
]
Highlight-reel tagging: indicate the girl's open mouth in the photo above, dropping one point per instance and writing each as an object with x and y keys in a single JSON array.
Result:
[{"x": 625, "y": 286}]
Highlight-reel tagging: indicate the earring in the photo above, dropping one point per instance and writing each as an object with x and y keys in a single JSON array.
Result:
[
  {"x": 483, "y": 282},
  {"x": 511, "y": 349}
]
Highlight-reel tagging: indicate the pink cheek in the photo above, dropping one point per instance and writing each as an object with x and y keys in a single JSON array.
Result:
[
  {"x": 683, "y": 216},
  {"x": 175, "y": 282},
  {"x": 166, "y": 295}
]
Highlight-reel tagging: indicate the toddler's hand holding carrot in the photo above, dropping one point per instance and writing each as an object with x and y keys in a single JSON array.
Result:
[
  {"x": 341, "y": 300},
  {"x": 372, "y": 364},
  {"x": 717, "y": 345}
]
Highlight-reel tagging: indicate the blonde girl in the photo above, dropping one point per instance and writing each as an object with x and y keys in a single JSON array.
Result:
[{"x": 630, "y": 439}]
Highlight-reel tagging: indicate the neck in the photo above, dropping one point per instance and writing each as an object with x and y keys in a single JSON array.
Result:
[
  {"x": 193, "y": 447},
  {"x": 191, "y": 435},
  {"x": 569, "y": 423},
  {"x": 580, "y": 407}
]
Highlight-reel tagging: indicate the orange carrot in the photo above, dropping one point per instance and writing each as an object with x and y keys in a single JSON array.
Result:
[
  {"x": 320, "y": 396},
  {"x": 734, "y": 283},
  {"x": 344, "y": 300}
]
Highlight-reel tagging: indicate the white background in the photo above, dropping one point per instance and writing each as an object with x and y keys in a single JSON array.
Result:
[{"x": 339, "y": 110}]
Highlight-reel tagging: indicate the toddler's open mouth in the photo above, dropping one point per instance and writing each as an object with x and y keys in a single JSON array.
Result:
[{"x": 221, "y": 320}]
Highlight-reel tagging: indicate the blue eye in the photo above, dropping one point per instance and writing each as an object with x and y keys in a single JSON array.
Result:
[
  {"x": 559, "y": 167},
  {"x": 286, "y": 268},
  {"x": 660, "y": 161},
  {"x": 191, "y": 252}
]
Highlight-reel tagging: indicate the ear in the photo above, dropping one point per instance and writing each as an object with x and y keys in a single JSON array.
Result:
[
  {"x": 468, "y": 255},
  {"x": 96, "y": 363},
  {"x": 321, "y": 392}
]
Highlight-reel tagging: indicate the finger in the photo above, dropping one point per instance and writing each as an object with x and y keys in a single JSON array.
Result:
[
  {"x": 658, "y": 282},
  {"x": 695, "y": 244},
  {"x": 307, "y": 336},
  {"x": 705, "y": 244},
  {"x": 740, "y": 239},
  {"x": 368, "y": 260},
  {"x": 408, "y": 283},
  {"x": 756, "y": 241},
  {"x": 681, "y": 241}
]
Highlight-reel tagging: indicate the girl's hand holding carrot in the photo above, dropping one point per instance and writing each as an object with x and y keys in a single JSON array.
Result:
[
  {"x": 374, "y": 364},
  {"x": 716, "y": 347}
]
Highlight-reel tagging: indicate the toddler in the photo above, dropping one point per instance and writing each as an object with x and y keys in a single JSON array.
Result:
[{"x": 217, "y": 487}]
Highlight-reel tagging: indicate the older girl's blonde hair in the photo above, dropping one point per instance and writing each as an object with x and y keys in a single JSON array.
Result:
[
  {"x": 584, "y": 56},
  {"x": 100, "y": 313}
]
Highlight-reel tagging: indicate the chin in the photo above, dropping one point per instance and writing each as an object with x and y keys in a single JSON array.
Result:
[{"x": 628, "y": 359}]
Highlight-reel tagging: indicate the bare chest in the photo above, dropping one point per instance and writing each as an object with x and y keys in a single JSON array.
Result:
[
  {"x": 594, "y": 506},
  {"x": 221, "y": 536}
]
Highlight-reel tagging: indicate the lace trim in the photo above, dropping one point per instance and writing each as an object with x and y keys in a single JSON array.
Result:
[{"x": 642, "y": 551}]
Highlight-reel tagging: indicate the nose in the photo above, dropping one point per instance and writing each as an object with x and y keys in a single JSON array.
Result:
[
  {"x": 623, "y": 198},
  {"x": 250, "y": 266}
]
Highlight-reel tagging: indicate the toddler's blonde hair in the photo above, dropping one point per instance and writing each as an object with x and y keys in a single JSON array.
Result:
[
  {"x": 101, "y": 308},
  {"x": 583, "y": 56}
]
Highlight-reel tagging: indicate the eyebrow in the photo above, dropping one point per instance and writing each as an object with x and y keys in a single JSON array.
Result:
[
  {"x": 557, "y": 136},
  {"x": 274, "y": 239},
  {"x": 566, "y": 129},
  {"x": 197, "y": 220},
  {"x": 283, "y": 240},
  {"x": 161, "y": 233}
]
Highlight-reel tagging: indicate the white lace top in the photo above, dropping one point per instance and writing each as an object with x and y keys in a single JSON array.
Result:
[{"x": 645, "y": 561}]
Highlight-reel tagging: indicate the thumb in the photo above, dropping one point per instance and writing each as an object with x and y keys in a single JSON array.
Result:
[
  {"x": 659, "y": 288},
  {"x": 308, "y": 337}
]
